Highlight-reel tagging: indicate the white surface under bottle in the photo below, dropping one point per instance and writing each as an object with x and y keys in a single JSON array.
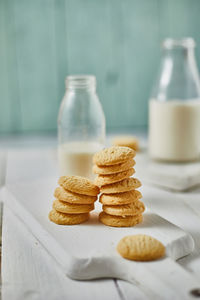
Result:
[{"x": 174, "y": 130}]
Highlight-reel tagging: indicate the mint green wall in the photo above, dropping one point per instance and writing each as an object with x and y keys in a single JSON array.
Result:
[{"x": 42, "y": 41}]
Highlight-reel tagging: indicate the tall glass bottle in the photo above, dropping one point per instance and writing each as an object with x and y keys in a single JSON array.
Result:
[
  {"x": 174, "y": 107},
  {"x": 81, "y": 126}
]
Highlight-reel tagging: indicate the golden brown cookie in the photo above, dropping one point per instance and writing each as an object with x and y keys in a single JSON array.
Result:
[
  {"x": 113, "y": 155},
  {"x": 70, "y": 197},
  {"x": 126, "y": 141},
  {"x": 78, "y": 184},
  {"x": 118, "y": 221},
  {"x": 125, "y": 185},
  {"x": 69, "y": 208},
  {"x": 140, "y": 247},
  {"x": 67, "y": 219},
  {"x": 107, "y": 179},
  {"x": 131, "y": 209},
  {"x": 106, "y": 170},
  {"x": 120, "y": 198}
]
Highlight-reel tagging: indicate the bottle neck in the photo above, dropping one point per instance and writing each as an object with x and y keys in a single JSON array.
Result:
[
  {"x": 180, "y": 55},
  {"x": 180, "y": 52},
  {"x": 178, "y": 76},
  {"x": 81, "y": 83}
]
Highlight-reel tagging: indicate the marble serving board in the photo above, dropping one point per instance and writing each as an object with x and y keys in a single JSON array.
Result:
[{"x": 172, "y": 176}]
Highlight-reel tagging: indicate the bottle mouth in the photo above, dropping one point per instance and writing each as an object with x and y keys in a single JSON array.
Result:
[
  {"x": 80, "y": 81},
  {"x": 170, "y": 43}
]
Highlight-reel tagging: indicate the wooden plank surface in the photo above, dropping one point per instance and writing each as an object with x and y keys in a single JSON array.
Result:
[
  {"x": 30, "y": 273},
  {"x": 125, "y": 290},
  {"x": 36, "y": 57},
  {"x": 119, "y": 41},
  {"x": 10, "y": 104},
  {"x": 21, "y": 250}
]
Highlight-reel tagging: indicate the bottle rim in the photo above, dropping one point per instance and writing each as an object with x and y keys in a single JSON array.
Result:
[
  {"x": 187, "y": 42},
  {"x": 80, "y": 81}
]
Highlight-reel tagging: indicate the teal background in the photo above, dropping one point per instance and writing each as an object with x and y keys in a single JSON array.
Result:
[{"x": 42, "y": 41}]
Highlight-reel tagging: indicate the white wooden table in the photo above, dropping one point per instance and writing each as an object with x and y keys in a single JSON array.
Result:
[{"x": 30, "y": 273}]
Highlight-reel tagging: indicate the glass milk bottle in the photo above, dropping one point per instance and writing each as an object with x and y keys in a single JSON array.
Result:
[
  {"x": 174, "y": 107},
  {"x": 81, "y": 126}
]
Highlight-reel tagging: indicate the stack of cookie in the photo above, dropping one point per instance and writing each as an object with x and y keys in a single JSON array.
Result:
[
  {"x": 120, "y": 199},
  {"x": 74, "y": 200}
]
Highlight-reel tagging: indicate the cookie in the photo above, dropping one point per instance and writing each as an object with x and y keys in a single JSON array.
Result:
[
  {"x": 140, "y": 247},
  {"x": 70, "y": 197},
  {"x": 126, "y": 141},
  {"x": 78, "y": 184},
  {"x": 118, "y": 221},
  {"x": 106, "y": 170},
  {"x": 107, "y": 179},
  {"x": 125, "y": 185},
  {"x": 120, "y": 198},
  {"x": 131, "y": 209},
  {"x": 67, "y": 219},
  {"x": 113, "y": 155},
  {"x": 69, "y": 208}
]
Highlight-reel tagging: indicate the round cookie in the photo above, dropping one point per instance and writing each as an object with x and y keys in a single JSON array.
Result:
[
  {"x": 78, "y": 184},
  {"x": 140, "y": 247},
  {"x": 125, "y": 185},
  {"x": 126, "y": 141},
  {"x": 118, "y": 221},
  {"x": 106, "y": 170},
  {"x": 131, "y": 209},
  {"x": 70, "y": 197},
  {"x": 120, "y": 198},
  {"x": 67, "y": 219},
  {"x": 108, "y": 179},
  {"x": 113, "y": 155},
  {"x": 69, "y": 208}
]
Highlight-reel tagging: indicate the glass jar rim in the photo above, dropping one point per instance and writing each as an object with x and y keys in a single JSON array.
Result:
[
  {"x": 80, "y": 81},
  {"x": 170, "y": 43}
]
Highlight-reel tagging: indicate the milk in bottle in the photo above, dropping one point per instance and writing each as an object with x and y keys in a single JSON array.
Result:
[{"x": 174, "y": 108}]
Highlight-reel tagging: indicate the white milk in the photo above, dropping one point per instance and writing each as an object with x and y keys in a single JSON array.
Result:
[
  {"x": 174, "y": 130},
  {"x": 75, "y": 158}
]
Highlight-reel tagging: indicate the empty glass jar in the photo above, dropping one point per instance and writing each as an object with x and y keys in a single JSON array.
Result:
[
  {"x": 174, "y": 107},
  {"x": 81, "y": 126}
]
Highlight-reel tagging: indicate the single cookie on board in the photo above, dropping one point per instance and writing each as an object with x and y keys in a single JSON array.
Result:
[
  {"x": 140, "y": 247},
  {"x": 126, "y": 141},
  {"x": 113, "y": 155},
  {"x": 67, "y": 219},
  {"x": 118, "y": 221},
  {"x": 120, "y": 198},
  {"x": 131, "y": 209},
  {"x": 106, "y": 170},
  {"x": 69, "y": 208},
  {"x": 70, "y": 197},
  {"x": 125, "y": 185},
  {"x": 78, "y": 184},
  {"x": 107, "y": 179}
]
